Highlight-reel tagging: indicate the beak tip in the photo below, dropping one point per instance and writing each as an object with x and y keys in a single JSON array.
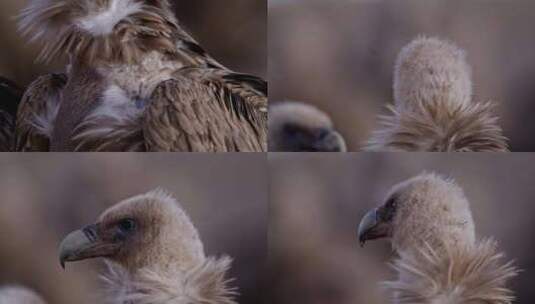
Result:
[
  {"x": 362, "y": 239},
  {"x": 72, "y": 247},
  {"x": 366, "y": 225}
]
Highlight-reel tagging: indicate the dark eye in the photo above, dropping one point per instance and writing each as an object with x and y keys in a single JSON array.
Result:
[
  {"x": 391, "y": 203},
  {"x": 389, "y": 209},
  {"x": 322, "y": 133},
  {"x": 291, "y": 130},
  {"x": 127, "y": 225}
]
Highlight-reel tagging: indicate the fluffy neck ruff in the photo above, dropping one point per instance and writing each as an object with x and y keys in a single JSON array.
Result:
[
  {"x": 461, "y": 275},
  {"x": 204, "y": 284},
  {"x": 437, "y": 126},
  {"x": 101, "y": 30}
]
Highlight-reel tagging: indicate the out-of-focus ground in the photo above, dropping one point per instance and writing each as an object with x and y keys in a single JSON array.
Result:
[
  {"x": 339, "y": 55},
  {"x": 234, "y": 32},
  {"x": 44, "y": 197},
  {"x": 317, "y": 201}
]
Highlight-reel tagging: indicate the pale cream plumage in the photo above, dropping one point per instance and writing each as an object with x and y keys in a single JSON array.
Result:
[{"x": 434, "y": 108}]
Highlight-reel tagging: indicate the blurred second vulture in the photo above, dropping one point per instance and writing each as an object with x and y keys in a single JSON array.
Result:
[{"x": 298, "y": 127}]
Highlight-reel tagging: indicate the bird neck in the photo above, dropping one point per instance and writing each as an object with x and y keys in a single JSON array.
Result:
[
  {"x": 176, "y": 46},
  {"x": 205, "y": 283},
  {"x": 452, "y": 275},
  {"x": 439, "y": 126},
  {"x": 175, "y": 261}
]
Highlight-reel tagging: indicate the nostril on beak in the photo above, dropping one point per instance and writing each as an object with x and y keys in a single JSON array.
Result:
[{"x": 90, "y": 232}]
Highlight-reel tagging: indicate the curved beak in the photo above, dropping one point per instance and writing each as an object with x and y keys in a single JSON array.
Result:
[
  {"x": 371, "y": 227},
  {"x": 84, "y": 244},
  {"x": 331, "y": 142}
]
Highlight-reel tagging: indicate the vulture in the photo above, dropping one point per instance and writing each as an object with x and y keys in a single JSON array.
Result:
[
  {"x": 135, "y": 81},
  {"x": 19, "y": 295},
  {"x": 10, "y": 96},
  {"x": 153, "y": 252},
  {"x": 299, "y": 127},
  {"x": 433, "y": 107},
  {"x": 440, "y": 260}
]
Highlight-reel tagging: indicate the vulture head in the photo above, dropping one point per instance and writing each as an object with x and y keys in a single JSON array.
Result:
[
  {"x": 141, "y": 231},
  {"x": 298, "y": 127},
  {"x": 19, "y": 295},
  {"x": 425, "y": 209},
  {"x": 439, "y": 261},
  {"x": 99, "y": 30},
  {"x": 154, "y": 254},
  {"x": 433, "y": 109},
  {"x": 428, "y": 70}
]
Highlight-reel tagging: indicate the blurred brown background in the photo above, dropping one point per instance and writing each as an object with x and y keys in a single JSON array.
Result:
[
  {"x": 339, "y": 55},
  {"x": 232, "y": 31},
  {"x": 317, "y": 201},
  {"x": 47, "y": 196}
]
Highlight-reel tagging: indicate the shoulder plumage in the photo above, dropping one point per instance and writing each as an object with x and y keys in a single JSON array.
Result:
[
  {"x": 199, "y": 111},
  {"x": 252, "y": 89}
]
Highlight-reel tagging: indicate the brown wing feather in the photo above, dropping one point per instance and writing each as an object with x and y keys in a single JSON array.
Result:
[
  {"x": 250, "y": 93},
  {"x": 10, "y": 96},
  {"x": 7, "y": 132},
  {"x": 252, "y": 89},
  {"x": 204, "y": 110},
  {"x": 37, "y": 109}
]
